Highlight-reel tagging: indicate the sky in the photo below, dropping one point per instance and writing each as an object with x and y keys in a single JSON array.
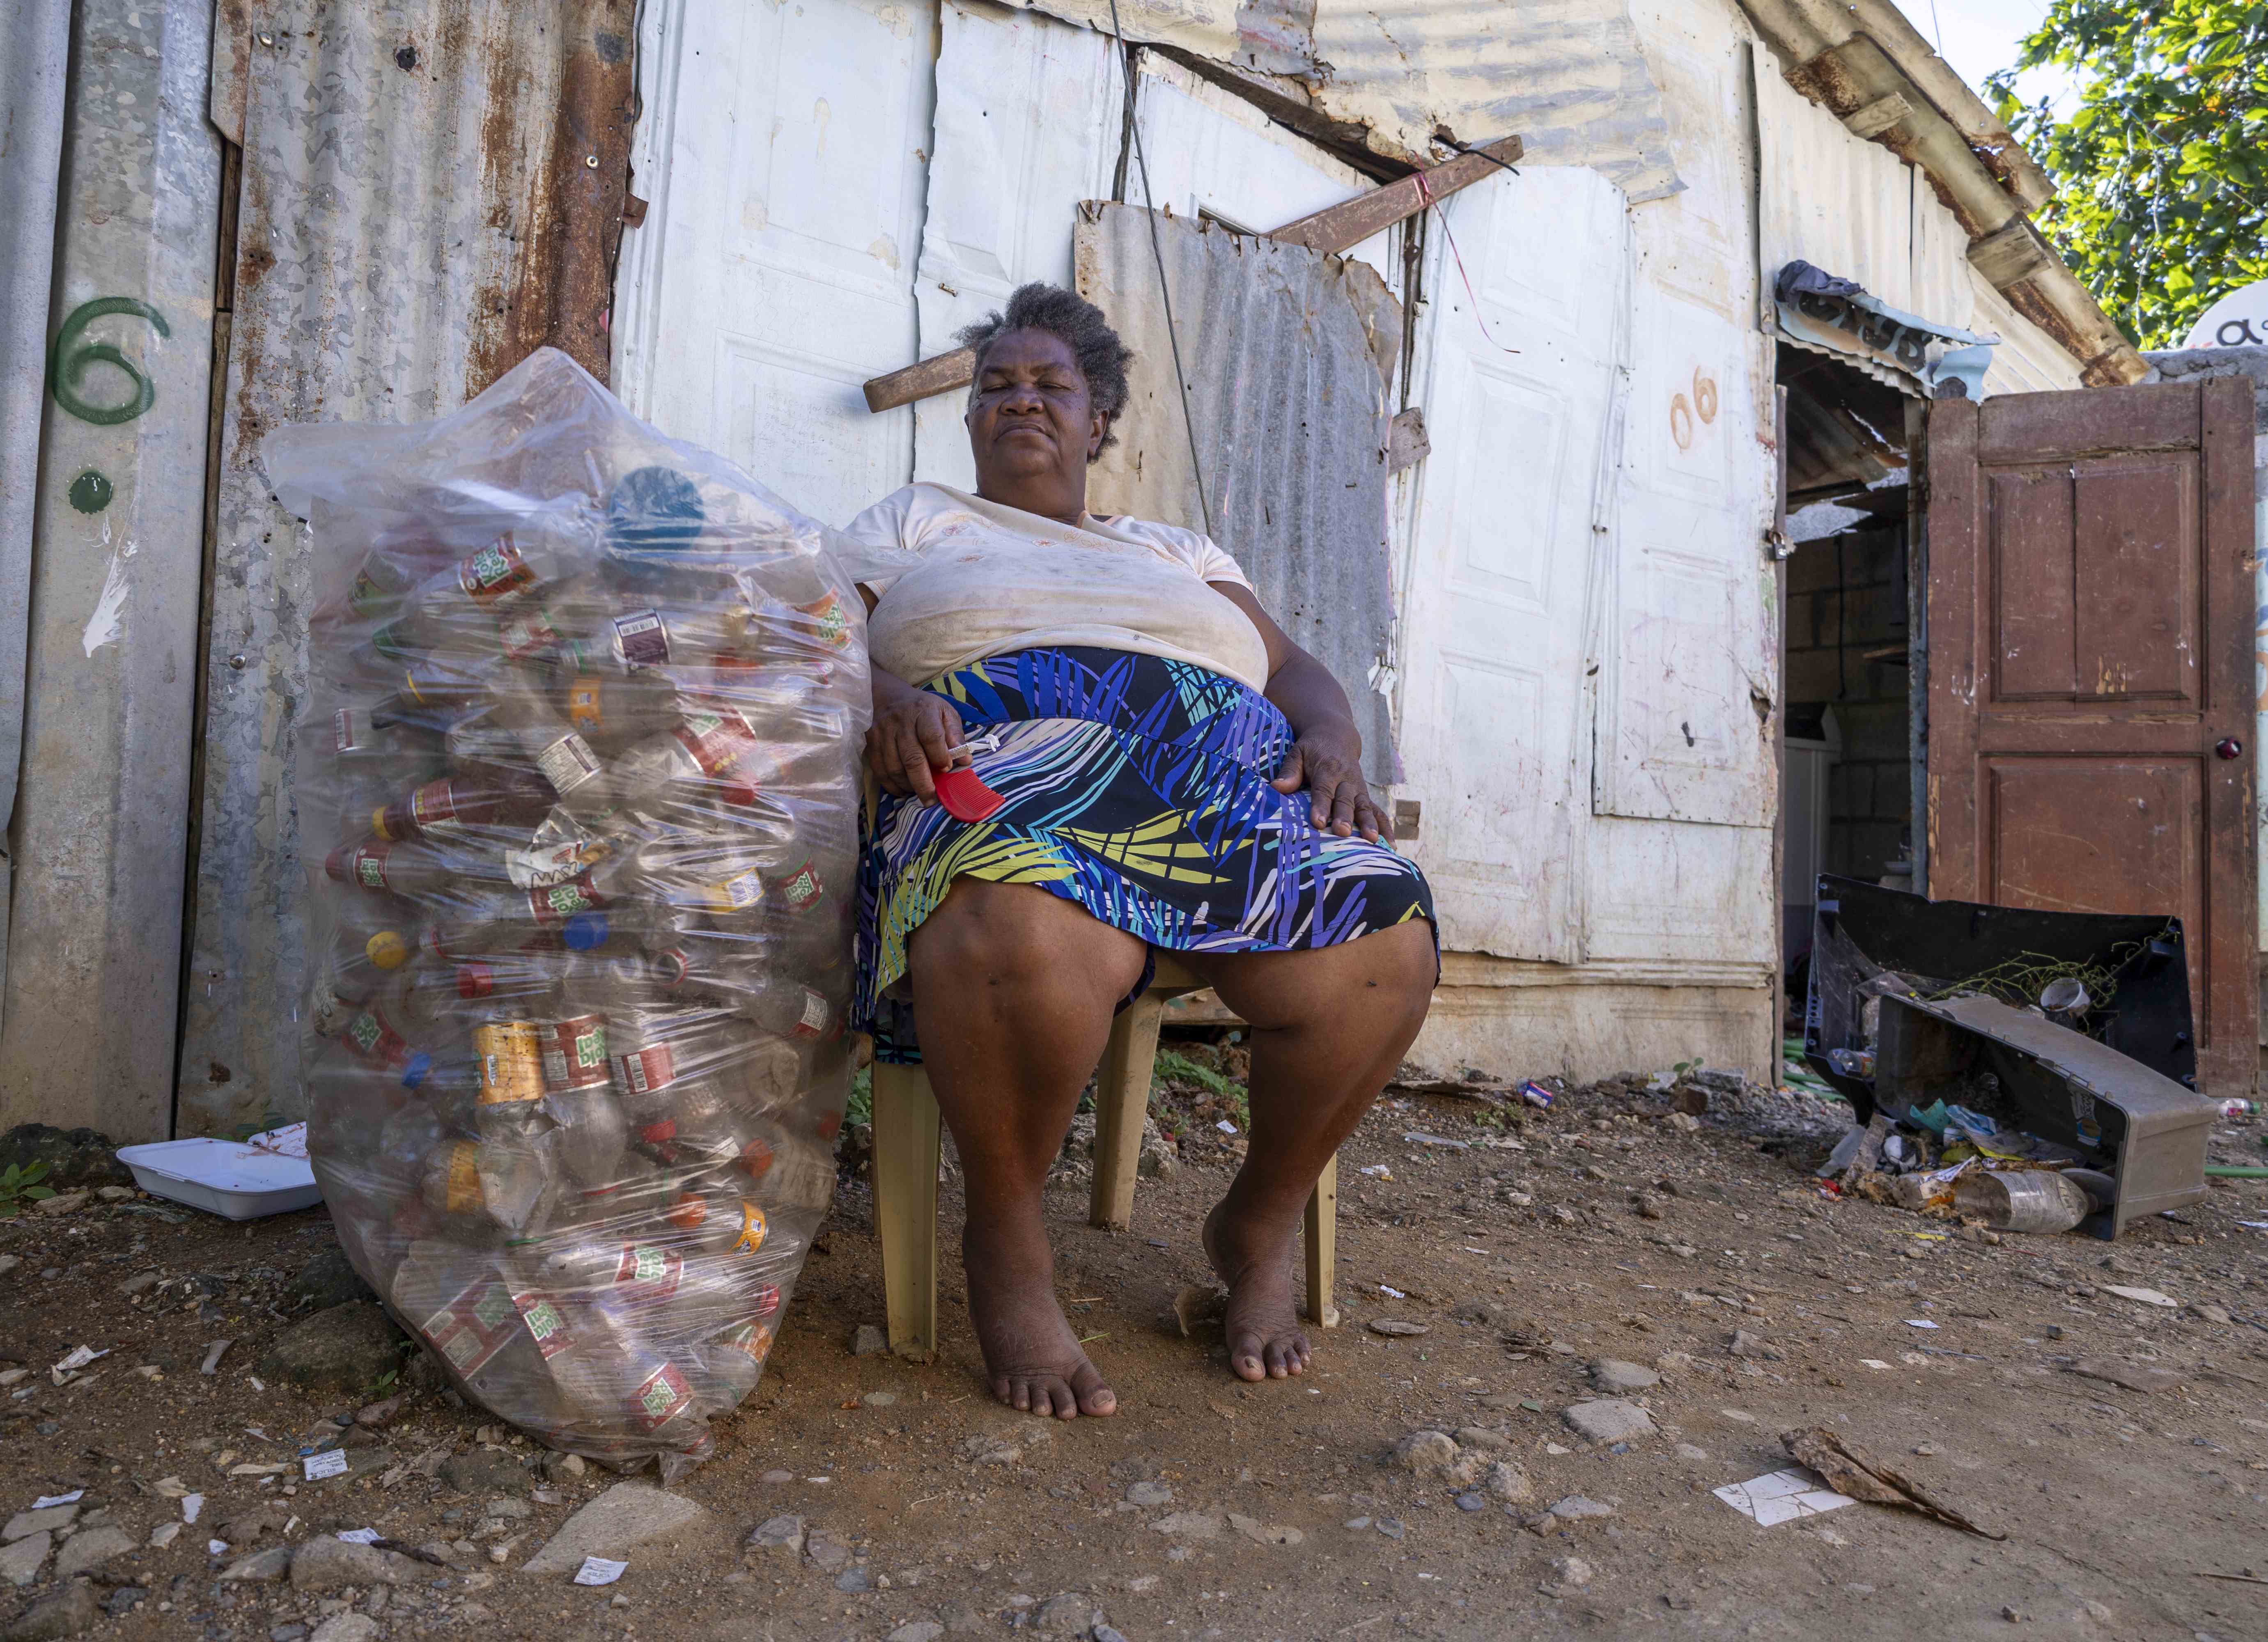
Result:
[{"x": 1978, "y": 36}]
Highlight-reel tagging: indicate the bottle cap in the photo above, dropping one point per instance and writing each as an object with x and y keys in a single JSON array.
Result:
[
  {"x": 474, "y": 980},
  {"x": 386, "y": 949},
  {"x": 584, "y": 930},
  {"x": 414, "y": 1070}
]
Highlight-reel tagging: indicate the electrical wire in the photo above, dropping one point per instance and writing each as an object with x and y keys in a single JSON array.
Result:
[{"x": 1165, "y": 291}]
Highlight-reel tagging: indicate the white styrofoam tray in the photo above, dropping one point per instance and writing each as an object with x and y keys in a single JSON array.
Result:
[{"x": 236, "y": 1180}]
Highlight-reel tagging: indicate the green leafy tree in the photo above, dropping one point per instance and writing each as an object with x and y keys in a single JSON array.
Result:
[{"x": 2162, "y": 168}]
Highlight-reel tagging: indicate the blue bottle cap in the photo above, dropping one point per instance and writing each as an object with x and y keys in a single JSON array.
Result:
[
  {"x": 584, "y": 930},
  {"x": 652, "y": 513},
  {"x": 414, "y": 1072}
]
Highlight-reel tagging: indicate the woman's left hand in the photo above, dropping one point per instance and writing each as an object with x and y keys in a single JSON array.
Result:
[{"x": 1327, "y": 760}]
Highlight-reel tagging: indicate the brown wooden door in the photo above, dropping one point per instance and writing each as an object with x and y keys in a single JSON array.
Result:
[{"x": 2090, "y": 672}]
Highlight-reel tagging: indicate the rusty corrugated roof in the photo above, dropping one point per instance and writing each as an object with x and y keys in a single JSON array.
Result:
[{"x": 430, "y": 192}]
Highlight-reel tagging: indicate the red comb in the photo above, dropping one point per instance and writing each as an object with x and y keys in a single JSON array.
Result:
[{"x": 965, "y": 796}]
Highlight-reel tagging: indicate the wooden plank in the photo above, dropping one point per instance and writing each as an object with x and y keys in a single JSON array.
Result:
[
  {"x": 1323, "y": 1241},
  {"x": 1340, "y": 227},
  {"x": 1330, "y": 230},
  {"x": 1956, "y": 549},
  {"x": 940, "y": 375},
  {"x": 2227, "y": 1061},
  {"x": 905, "y": 1205}
]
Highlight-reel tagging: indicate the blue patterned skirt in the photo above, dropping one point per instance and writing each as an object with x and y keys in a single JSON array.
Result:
[{"x": 1138, "y": 788}]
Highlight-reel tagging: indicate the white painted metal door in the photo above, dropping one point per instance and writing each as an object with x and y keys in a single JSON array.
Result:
[
  {"x": 784, "y": 146},
  {"x": 1493, "y": 611},
  {"x": 1029, "y": 111}
]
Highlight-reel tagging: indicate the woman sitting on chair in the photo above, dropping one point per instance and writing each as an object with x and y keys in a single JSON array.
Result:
[{"x": 1177, "y": 774}]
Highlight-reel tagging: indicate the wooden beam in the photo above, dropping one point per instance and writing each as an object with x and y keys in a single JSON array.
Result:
[
  {"x": 1340, "y": 227},
  {"x": 1333, "y": 229}
]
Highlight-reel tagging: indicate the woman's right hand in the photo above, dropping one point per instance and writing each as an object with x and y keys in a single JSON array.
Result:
[{"x": 913, "y": 731}]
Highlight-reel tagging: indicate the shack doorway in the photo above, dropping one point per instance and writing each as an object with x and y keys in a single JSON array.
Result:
[{"x": 1847, "y": 784}]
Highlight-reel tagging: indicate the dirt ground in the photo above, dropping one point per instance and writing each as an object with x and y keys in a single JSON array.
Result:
[{"x": 1540, "y": 1244}]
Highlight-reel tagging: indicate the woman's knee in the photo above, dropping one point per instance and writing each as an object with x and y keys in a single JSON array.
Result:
[{"x": 1019, "y": 937}]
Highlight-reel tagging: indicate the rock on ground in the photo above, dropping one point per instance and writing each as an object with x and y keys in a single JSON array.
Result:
[
  {"x": 64, "y": 1614},
  {"x": 628, "y": 1517},
  {"x": 21, "y": 1561},
  {"x": 1616, "y": 1378},
  {"x": 485, "y": 1471},
  {"x": 90, "y": 1548},
  {"x": 346, "y": 1349},
  {"x": 1609, "y": 1419},
  {"x": 1423, "y": 1451},
  {"x": 1070, "y": 1614},
  {"x": 328, "y": 1564},
  {"x": 74, "y": 1157},
  {"x": 264, "y": 1566},
  {"x": 329, "y": 1279},
  {"x": 1189, "y": 1525},
  {"x": 33, "y": 1521},
  {"x": 781, "y": 1533},
  {"x": 349, "y": 1627},
  {"x": 1508, "y": 1483},
  {"x": 916, "y": 1630}
]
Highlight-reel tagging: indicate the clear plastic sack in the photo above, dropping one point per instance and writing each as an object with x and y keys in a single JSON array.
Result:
[{"x": 577, "y": 782}]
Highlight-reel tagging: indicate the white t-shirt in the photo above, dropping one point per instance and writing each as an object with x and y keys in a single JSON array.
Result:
[{"x": 995, "y": 579}]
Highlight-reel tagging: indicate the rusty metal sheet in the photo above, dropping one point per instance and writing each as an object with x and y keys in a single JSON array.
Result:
[
  {"x": 1288, "y": 354},
  {"x": 430, "y": 190}
]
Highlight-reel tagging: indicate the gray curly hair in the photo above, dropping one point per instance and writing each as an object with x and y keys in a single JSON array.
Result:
[{"x": 1080, "y": 326}]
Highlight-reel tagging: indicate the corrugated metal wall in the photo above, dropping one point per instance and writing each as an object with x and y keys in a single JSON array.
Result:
[
  {"x": 1287, "y": 355},
  {"x": 430, "y": 189},
  {"x": 98, "y": 829}
]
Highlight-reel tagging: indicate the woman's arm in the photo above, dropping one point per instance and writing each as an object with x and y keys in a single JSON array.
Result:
[
  {"x": 912, "y": 731},
  {"x": 1326, "y": 755}
]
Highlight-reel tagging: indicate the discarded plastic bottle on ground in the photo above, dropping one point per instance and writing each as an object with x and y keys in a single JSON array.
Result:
[
  {"x": 1853, "y": 1063},
  {"x": 582, "y": 820}
]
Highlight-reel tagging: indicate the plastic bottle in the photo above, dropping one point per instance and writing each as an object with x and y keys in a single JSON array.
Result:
[
  {"x": 523, "y": 707},
  {"x": 2240, "y": 1108},
  {"x": 451, "y": 805},
  {"x": 709, "y": 754}
]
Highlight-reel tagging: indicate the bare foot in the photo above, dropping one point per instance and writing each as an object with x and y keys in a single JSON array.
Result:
[
  {"x": 1265, "y": 1341},
  {"x": 1030, "y": 1352}
]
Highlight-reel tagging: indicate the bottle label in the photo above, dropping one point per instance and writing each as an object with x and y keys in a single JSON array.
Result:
[
  {"x": 753, "y": 1337},
  {"x": 495, "y": 571},
  {"x": 813, "y": 1021},
  {"x": 567, "y": 763},
  {"x": 528, "y": 633},
  {"x": 716, "y": 739},
  {"x": 737, "y": 893},
  {"x": 350, "y": 730},
  {"x": 803, "y": 887},
  {"x": 373, "y": 1038},
  {"x": 366, "y": 866},
  {"x": 546, "y": 1323},
  {"x": 641, "y": 640},
  {"x": 434, "y": 807},
  {"x": 368, "y": 593},
  {"x": 586, "y": 703},
  {"x": 832, "y": 618},
  {"x": 662, "y": 1398},
  {"x": 642, "y": 1072},
  {"x": 510, "y": 1055},
  {"x": 463, "y": 1194},
  {"x": 552, "y": 905},
  {"x": 541, "y": 869},
  {"x": 473, "y": 1327},
  {"x": 752, "y": 1229},
  {"x": 654, "y": 1272},
  {"x": 575, "y": 1053}
]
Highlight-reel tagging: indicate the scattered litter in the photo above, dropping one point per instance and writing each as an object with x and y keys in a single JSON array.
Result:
[
  {"x": 2022, "y": 1200},
  {"x": 80, "y": 1356},
  {"x": 1226, "y": 1127},
  {"x": 1397, "y": 1326},
  {"x": 171, "y": 1488},
  {"x": 599, "y": 1570},
  {"x": 1778, "y": 1496},
  {"x": 2145, "y": 1297},
  {"x": 1536, "y": 1096},
  {"x": 191, "y": 1505},
  {"x": 44, "y": 1501},
  {"x": 1379, "y": 1171},
  {"x": 1420, "y": 1137},
  {"x": 1199, "y": 1302},
  {"x": 1851, "y": 1469},
  {"x": 1873, "y": 1362},
  {"x": 1469, "y": 1249},
  {"x": 216, "y": 1548},
  {"x": 2249, "y": 1225},
  {"x": 214, "y": 1352},
  {"x": 359, "y": 1536},
  {"x": 1396, "y": 1292},
  {"x": 1920, "y": 1323},
  {"x": 332, "y": 1462}
]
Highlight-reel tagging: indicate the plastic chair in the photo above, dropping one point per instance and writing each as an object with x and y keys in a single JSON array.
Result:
[{"x": 906, "y": 1152}]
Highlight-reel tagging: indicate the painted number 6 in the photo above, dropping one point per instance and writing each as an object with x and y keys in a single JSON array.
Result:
[{"x": 72, "y": 354}]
